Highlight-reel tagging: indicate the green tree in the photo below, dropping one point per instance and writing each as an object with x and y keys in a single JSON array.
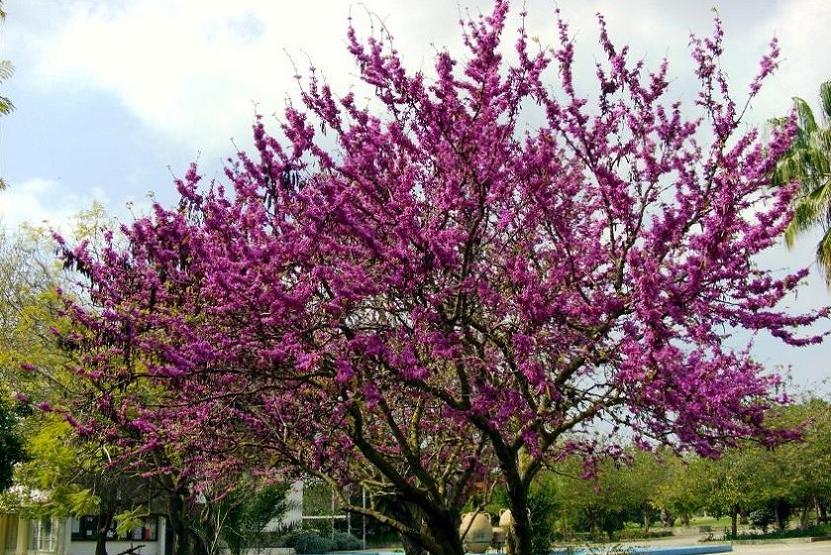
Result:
[
  {"x": 799, "y": 473},
  {"x": 11, "y": 443},
  {"x": 74, "y": 477},
  {"x": 809, "y": 162},
  {"x": 543, "y": 504},
  {"x": 682, "y": 492},
  {"x": 730, "y": 484},
  {"x": 620, "y": 492},
  {"x": 248, "y": 510},
  {"x": 61, "y": 477}
]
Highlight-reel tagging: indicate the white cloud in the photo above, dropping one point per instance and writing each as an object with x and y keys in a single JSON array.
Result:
[
  {"x": 190, "y": 69},
  {"x": 44, "y": 202},
  {"x": 801, "y": 27},
  {"x": 193, "y": 69}
]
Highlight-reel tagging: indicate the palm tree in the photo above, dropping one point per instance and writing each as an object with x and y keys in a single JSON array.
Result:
[
  {"x": 809, "y": 162},
  {"x": 6, "y": 70}
]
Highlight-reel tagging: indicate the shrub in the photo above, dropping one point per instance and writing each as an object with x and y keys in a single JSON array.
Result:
[
  {"x": 308, "y": 541},
  {"x": 285, "y": 539},
  {"x": 542, "y": 503},
  {"x": 761, "y": 518},
  {"x": 346, "y": 542},
  {"x": 641, "y": 534}
]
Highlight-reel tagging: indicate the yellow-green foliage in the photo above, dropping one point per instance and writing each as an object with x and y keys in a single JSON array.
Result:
[{"x": 51, "y": 481}]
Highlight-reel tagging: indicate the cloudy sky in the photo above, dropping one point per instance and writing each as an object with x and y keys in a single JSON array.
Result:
[{"x": 113, "y": 96}]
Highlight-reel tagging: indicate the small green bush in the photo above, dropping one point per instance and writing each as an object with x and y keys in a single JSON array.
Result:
[
  {"x": 761, "y": 518},
  {"x": 542, "y": 503},
  {"x": 641, "y": 534},
  {"x": 307, "y": 541},
  {"x": 814, "y": 531},
  {"x": 285, "y": 539},
  {"x": 346, "y": 542}
]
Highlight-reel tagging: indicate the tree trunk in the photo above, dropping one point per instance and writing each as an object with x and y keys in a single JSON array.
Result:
[
  {"x": 177, "y": 519},
  {"x": 198, "y": 542},
  {"x": 412, "y": 546},
  {"x": 734, "y": 522},
  {"x": 517, "y": 489},
  {"x": 594, "y": 524},
  {"x": 444, "y": 528},
  {"x": 823, "y": 512},
  {"x": 520, "y": 514},
  {"x": 779, "y": 511},
  {"x": 817, "y": 509},
  {"x": 803, "y": 519},
  {"x": 105, "y": 522}
]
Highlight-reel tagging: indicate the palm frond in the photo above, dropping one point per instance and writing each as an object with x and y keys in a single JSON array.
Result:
[
  {"x": 807, "y": 121},
  {"x": 808, "y": 212},
  {"x": 6, "y": 106},
  {"x": 6, "y": 69},
  {"x": 825, "y": 100},
  {"x": 824, "y": 256},
  {"x": 808, "y": 161}
]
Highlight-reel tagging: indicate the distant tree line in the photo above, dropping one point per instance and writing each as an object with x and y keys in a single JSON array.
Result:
[{"x": 781, "y": 487}]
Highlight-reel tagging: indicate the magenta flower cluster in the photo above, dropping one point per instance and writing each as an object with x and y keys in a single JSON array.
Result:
[{"x": 455, "y": 288}]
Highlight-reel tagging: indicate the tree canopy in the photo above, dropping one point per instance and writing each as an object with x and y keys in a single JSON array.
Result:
[{"x": 453, "y": 295}]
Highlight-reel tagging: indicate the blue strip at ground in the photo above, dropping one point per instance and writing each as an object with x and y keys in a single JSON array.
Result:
[
  {"x": 674, "y": 550},
  {"x": 652, "y": 550}
]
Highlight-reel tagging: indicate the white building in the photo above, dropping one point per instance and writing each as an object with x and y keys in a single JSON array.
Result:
[
  {"x": 76, "y": 536},
  {"x": 294, "y": 515}
]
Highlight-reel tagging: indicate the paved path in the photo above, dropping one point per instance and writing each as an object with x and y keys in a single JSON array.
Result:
[
  {"x": 792, "y": 547},
  {"x": 788, "y": 548}
]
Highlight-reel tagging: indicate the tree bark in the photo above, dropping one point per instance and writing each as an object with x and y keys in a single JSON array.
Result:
[
  {"x": 436, "y": 531},
  {"x": 734, "y": 522},
  {"x": 177, "y": 519},
  {"x": 200, "y": 547},
  {"x": 521, "y": 532},
  {"x": 444, "y": 527},
  {"x": 779, "y": 511},
  {"x": 411, "y": 546},
  {"x": 803, "y": 518},
  {"x": 105, "y": 522}
]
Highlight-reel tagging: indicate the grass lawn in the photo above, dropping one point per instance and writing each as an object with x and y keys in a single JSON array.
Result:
[{"x": 710, "y": 521}]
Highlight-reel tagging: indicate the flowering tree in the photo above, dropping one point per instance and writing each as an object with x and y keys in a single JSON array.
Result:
[{"x": 453, "y": 296}]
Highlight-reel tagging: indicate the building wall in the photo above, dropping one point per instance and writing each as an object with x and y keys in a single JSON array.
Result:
[
  {"x": 294, "y": 514},
  {"x": 88, "y": 548},
  {"x": 80, "y": 547},
  {"x": 15, "y": 539}
]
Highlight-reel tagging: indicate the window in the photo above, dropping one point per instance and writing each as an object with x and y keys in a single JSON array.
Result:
[
  {"x": 85, "y": 528},
  {"x": 43, "y": 535}
]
